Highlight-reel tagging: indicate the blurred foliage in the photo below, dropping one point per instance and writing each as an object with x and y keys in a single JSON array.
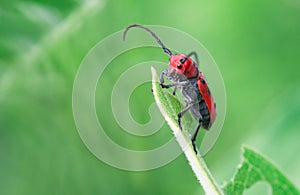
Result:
[
  {"x": 255, "y": 168},
  {"x": 42, "y": 43}
]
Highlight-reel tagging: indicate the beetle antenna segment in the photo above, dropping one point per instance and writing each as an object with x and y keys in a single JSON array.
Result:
[
  {"x": 195, "y": 54},
  {"x": 166, "y": 50},
  {"x": 189, "y": 55}
]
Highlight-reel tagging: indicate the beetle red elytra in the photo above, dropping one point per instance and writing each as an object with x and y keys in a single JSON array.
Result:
[{"x": 184, "y": 74}]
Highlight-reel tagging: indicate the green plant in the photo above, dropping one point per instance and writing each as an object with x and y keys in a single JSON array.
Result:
[
  {"x": 44, "y": 42},
  {"x": 254, "y": 167}
]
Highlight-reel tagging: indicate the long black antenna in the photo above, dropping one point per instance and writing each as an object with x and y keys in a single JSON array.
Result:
[
  {"x": 166, "y": 50},
  {"x": 189, "y": 55},
  {"x": 195, "y": 54}
]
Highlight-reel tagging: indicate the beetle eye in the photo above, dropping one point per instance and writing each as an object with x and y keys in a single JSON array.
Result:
[
  {"x": 179, "y": 66},
  {"x": 182, "y": 60}
]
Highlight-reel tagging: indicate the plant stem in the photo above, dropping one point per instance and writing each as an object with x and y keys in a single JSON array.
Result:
[{"x": 198, "y": 165}]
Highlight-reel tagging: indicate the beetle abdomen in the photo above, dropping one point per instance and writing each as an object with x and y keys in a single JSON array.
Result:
[
  {"x": 201, "y": 108},
  {"x": 205, "y": 115}
]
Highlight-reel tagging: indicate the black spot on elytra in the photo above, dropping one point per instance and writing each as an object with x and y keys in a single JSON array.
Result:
[{"x": 202, "y": 81}]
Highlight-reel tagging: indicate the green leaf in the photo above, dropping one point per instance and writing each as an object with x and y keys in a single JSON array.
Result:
[
  {"x": 255, "y": 168},
  {"x": 170, "y": 107}
]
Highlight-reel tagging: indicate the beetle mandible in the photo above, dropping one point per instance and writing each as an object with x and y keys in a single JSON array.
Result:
[{"x": 184, "y": 74}]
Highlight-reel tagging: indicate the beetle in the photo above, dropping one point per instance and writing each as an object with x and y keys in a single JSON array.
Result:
[{"x": 183, "y": 72}]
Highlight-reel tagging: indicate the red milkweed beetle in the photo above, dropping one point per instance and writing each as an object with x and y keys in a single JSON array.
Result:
[{"x": 184, "y": 74}]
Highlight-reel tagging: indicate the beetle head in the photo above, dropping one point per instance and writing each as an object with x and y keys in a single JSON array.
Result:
[{"x": 183, "y": 65}]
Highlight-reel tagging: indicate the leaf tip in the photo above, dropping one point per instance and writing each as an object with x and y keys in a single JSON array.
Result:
[
  {"x": 246, "y": 150},
  {"x": 154, "y": 73}
]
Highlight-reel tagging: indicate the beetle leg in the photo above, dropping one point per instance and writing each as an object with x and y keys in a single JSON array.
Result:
[
  {"x": 178, "y": 84},
  {"x": 169, "y": 85},
  {"x": 162, "y": 80},
  {"x": 174, "y": 91},
  {"x": 193, "y": 139},
  {"x": 184, "y": 110},
  {"x": 163, "y": 73}
]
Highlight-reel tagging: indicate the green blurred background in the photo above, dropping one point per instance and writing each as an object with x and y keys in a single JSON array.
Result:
[{"x": 42, "y": 43}]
